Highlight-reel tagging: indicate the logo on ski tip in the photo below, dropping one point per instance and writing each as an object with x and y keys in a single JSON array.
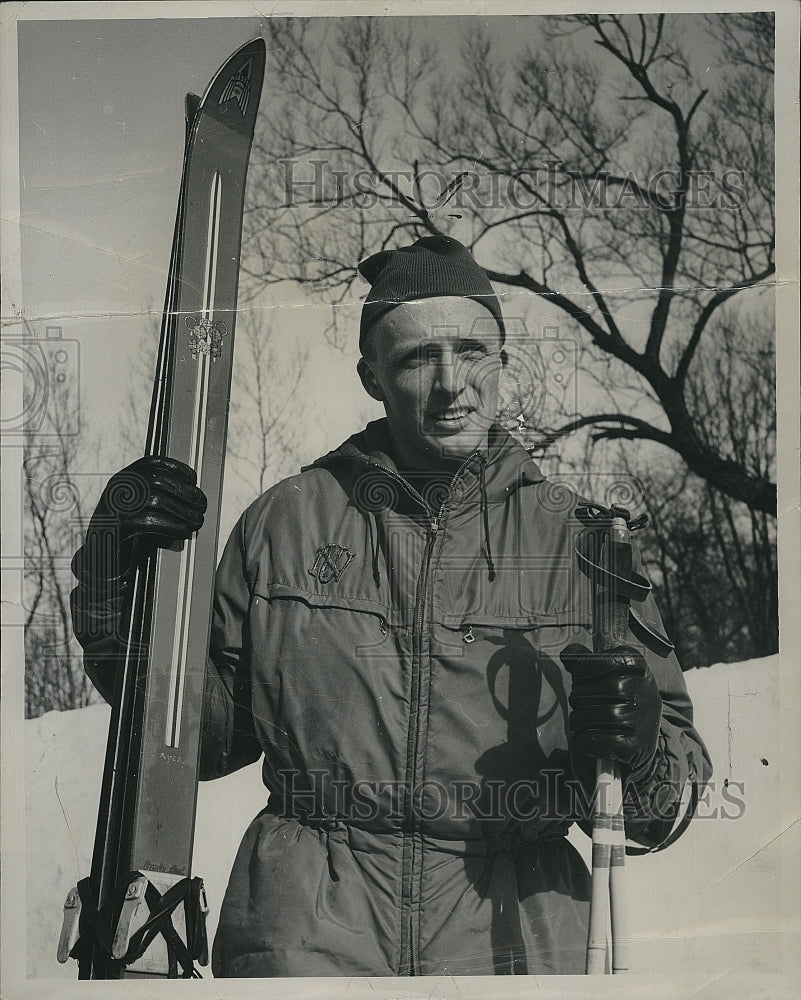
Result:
[
  {"x": 330, "y": 562},
  {"x": 206, "y": 337},
  {"x": 238, "y": 87}
]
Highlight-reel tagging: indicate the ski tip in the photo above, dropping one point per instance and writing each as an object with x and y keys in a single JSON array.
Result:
[
  {"x": 254, "y": 46},
  {"x": 239, "y": 79}
]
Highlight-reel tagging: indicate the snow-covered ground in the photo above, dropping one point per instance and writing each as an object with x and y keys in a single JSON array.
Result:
[{"x": 711, "y": 913}]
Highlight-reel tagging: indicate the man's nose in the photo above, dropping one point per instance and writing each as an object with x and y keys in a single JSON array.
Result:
[{"x": 449, "y": 378}]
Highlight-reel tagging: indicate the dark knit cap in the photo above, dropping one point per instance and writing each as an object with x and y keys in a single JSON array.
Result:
[{"x": 433, "y": 266}]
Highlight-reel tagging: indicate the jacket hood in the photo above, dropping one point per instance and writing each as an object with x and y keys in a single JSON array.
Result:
[{"x": 507, "y": 465}]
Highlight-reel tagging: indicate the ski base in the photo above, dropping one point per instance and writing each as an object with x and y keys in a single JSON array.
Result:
[{"x": 140, "y": 914}]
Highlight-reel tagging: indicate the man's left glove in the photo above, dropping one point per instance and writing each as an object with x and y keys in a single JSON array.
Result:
[{"x": 616, "y": 706}]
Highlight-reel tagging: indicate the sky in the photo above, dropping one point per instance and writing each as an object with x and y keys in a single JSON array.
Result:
[
  {"x": 101, "y": 141},
  {"x": 101, "y": 144}
]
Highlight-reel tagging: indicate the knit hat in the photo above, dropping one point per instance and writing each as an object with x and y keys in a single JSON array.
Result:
[{"x": 433, "y": 266}]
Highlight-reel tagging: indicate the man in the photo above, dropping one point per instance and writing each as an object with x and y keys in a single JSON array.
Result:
[{"x": 395, "y": 630}]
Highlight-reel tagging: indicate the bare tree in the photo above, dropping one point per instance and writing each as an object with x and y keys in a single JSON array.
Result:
[
  {"x": 60, "y": 489},
  {"x": 607, "y": 168},
  {"x": 265, "y": 419},
  {"x": 711, "y": 559},
  {"x": 712, "y": 562},
  {"x": 55, "y": 499},
  {"x": 141, "y": 372},
  {"x": 264, "y": 428}
]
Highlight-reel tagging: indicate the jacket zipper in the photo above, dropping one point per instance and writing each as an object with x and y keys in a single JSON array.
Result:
[
  {"x": 435, "y": 523},
  {"x": 414, "y": 722},
  {"x": 417, "y": 670},
  {"x": 433, "y": 528}
]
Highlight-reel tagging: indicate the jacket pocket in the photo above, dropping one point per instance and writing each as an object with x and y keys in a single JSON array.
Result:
[
  {"x": 331, "y": 683},
  {"x": 334, "y": 600},
  {"x": 523, "y": 621},
  {"x": 525, "y": 593},
  {"x": 540, "y": 633}
]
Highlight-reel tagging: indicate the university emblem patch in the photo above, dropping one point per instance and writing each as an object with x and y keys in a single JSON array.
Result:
[{"x": 330, "y": 562}]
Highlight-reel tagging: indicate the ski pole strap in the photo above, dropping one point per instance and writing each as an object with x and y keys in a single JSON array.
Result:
[
  {"x": 99, "y": 926},
  {"x": 681, "y": 823},
  {"x": 633, "y": 587}
]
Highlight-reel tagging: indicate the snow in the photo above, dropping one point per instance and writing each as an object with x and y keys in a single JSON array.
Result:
[{"x": 710, "y": 912}]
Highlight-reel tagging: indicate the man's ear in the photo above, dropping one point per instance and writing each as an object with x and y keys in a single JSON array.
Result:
[{"x": 369, "y": 380}]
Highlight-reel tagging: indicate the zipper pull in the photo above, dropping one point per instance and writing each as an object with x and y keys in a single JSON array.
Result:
[
  {"x": 434, "y": 525},
  {"x": 468, "y": 636},
  {"x": 382, "y": 624}
]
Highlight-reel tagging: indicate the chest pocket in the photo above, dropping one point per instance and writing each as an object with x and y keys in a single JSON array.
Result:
[
  {"x": 531, "y": 579},
  {"x": 524, "y": 594},
  {"x": 330, "y": 685},
  {"x": 325, "y": 630}
]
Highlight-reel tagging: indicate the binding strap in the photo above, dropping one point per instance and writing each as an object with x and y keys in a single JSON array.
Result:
[{"x": 98, "y": 927}]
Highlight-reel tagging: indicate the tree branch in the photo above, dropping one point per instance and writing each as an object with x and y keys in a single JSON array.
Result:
[
  {"x": 699, "y": 326},
  {"x": 631, "y": 427}
]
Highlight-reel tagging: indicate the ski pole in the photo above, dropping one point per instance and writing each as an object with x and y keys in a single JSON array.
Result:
[{"x": 607, "y": 943}]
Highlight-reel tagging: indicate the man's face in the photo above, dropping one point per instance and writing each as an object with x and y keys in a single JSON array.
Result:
[{"x": 435, "y": 364}]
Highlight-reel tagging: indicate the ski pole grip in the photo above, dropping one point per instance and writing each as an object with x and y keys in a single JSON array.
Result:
[{"x": 611, "y": 611}]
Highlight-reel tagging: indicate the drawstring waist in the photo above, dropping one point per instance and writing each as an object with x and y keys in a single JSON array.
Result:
[{"x": 515, "y": 837}]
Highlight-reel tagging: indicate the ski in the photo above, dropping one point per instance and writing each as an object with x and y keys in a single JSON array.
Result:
[{"x": 141, "y": 914}]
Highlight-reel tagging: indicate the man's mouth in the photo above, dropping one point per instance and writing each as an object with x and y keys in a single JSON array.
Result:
[{"x": 453, "y": 414}]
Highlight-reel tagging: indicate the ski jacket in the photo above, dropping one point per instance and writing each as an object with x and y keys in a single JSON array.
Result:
[{"x": 397, "y": 664}]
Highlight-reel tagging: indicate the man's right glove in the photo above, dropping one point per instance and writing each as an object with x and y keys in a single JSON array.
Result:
[{"x": 153, "y": 502}]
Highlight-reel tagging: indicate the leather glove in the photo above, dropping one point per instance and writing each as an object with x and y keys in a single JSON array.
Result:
[
  {"x": 616, "y": 706},
  {"x": 153, "y": 499}
]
